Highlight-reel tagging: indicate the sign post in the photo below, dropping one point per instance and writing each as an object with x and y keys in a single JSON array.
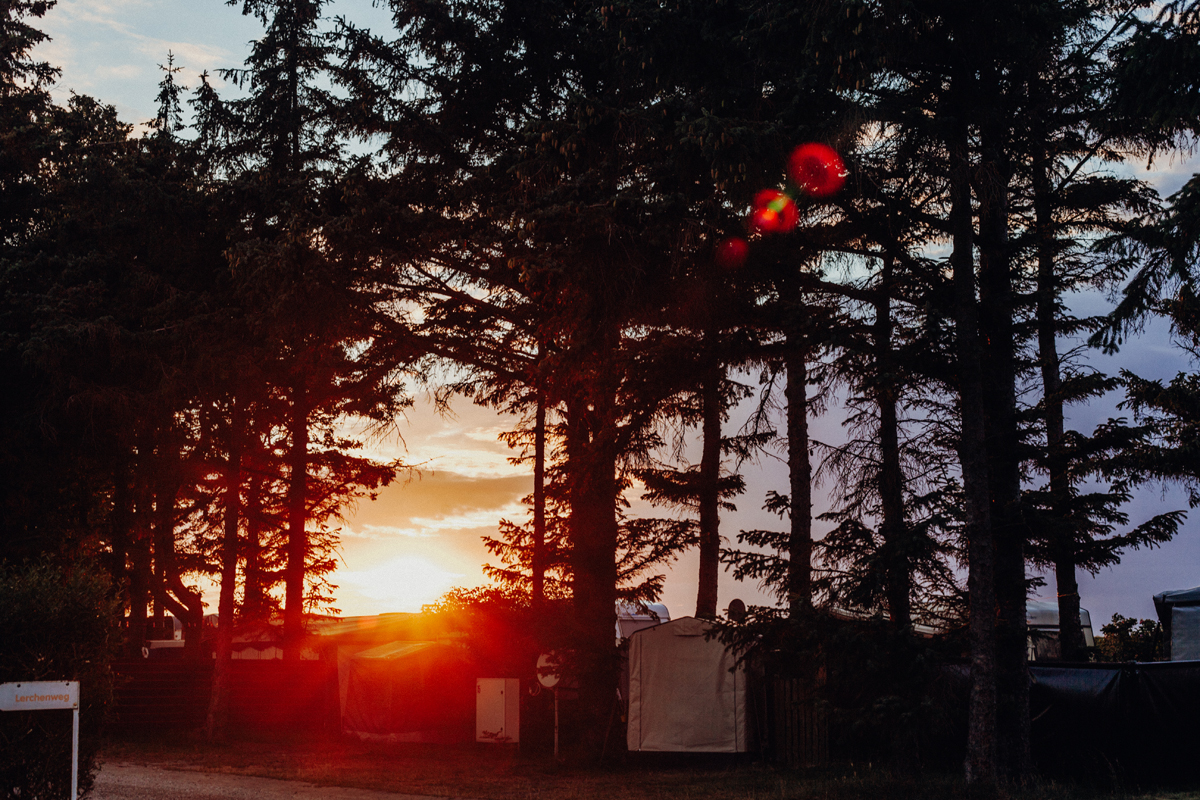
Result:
[{"x": 44, "y": 695}]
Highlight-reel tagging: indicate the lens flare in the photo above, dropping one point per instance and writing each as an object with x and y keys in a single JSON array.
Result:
[
  {"x": 764, "y": 220},
  {"x": 817, "y": 169},
  {"x": 774, "y": 212},
  {"x": 732, "y": 252}
]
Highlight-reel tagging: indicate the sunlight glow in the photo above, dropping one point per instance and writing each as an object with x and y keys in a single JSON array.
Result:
[{"x": 404, "y": 583}]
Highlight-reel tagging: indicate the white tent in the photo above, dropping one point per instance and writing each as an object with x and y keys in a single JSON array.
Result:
[{"x": 684, "y": 695}]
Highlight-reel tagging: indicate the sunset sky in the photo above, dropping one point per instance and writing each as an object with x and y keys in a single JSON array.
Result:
[{"x": 422, "y": 536}]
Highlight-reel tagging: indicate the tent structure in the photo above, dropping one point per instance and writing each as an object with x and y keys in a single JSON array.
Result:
[
  {"x": 1179, "y": 612},
  {"x": 684, "y": 694},
  {"x": 407, "y": 692}
]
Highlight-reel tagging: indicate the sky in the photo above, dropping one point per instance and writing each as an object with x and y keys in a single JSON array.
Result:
[{"x": 422, "y": 535}]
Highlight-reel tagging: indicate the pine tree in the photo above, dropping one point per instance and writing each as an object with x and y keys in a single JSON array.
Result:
[
  {"x": 24, "y": 106},
  {"x": 300, "y": 269},
  {"x": 25, "y": 141},
  {"x": 1153, "y": 110}
]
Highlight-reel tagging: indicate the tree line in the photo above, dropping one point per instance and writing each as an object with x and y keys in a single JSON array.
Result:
[{"x": 524, "y": 203}]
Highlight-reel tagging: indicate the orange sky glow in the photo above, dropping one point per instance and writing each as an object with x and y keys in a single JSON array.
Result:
[{"x": 422, "y": 535}]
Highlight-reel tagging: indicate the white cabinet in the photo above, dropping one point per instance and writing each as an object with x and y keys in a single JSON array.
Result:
[{"x": 498, "y": 710}]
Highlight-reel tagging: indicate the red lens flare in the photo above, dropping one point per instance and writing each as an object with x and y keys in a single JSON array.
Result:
[
  {"x": 774, "y": 212},
  {"x": 764, "y": 220},
  {"x": 817, "y": 169},
  {"x": 732, "y": 252}
]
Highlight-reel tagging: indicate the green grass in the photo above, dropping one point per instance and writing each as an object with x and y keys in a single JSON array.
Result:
[{"x": 498, "y": 773}]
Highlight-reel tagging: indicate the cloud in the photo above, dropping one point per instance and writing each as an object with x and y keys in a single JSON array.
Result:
[
  {"x": 438, "y": 495},
  {"x": 1168, "y": 172},
  {"x": 465, "y": 444},
  {"x": 480, "y": 519},
  {"x": 465, "y": 449},
  {"x": 120, "y": 71},
  {"x": 430, "y": 527},
  {"x": 490, "y": 435},
  {"x": 383, "y": 533}
]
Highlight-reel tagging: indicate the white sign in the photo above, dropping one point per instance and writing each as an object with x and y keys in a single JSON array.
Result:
[
  {"x": 39, "y": 695},
  {"x": 47, "y": 695},
  {"x": 545, "y": 676}
]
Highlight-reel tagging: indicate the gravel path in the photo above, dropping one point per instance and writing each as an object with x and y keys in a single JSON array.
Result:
[{"x": 121, "y": 781}]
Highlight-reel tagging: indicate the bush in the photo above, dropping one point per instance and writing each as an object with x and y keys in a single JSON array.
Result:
[
  {"x": 55, "y": 624},
  {"x": 1126, "y": 639}
]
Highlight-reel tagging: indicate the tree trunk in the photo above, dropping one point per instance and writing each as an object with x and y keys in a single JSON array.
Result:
[
  {"x": 1062, "y": 543},
  {"x": 130, "y": 560},
  {"x": 254, "y": 597},
  {"x": 981, "y": 722},
  {"x": 538, "y": 566},
  {"x": 120, "y": 528},
  {"x": 710, "y": 485},
  {"x": 593, "y": 495},
  {"x": 1004, "y": 462},
  {"x": 166, "y": 582},
  {"x": 800, "y": 544},
  {"x": 891, "y": 478},
  {"x": 159, "y": 618},
  {"x": 139, "y": 591},
  {"x": 297, "y": 535},
  {"x": 218, "y": 704},
  {"x": 139, "y": 500}
]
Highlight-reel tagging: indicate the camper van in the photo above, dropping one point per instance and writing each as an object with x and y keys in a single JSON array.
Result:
[
  {"x": 633, "y": 617},
  {"x": 1041, "y": 618}
]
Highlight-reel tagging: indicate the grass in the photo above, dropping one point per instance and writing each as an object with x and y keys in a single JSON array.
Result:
[{"x": 495, "y": 772}]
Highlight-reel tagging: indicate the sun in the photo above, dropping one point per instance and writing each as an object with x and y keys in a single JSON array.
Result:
[{"x": 401, "y": 583}]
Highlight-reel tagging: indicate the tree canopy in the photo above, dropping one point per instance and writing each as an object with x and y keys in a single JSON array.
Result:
[{"x": 582, "y": 213}]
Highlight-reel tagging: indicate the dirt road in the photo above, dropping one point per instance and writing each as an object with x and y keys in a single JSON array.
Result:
[{"x": 122, "y": 781}]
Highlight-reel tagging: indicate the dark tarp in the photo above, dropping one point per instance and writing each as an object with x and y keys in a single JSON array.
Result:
[
  {"x": 408, "y": 691},
  {"x": 1123, "y": 720}
]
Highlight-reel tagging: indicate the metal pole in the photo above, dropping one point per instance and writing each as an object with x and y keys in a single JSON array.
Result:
[
  {"x": 75, "y": 753},
  {"x": 556, "y": 724}
]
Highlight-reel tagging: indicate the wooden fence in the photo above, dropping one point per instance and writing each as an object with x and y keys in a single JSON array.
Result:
[{"x": 800, "y": 724}]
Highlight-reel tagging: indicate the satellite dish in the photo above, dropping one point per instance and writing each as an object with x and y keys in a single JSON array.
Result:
[
  {"x": 736, "y": 610},
  {"x": 547, "y": 662}
]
